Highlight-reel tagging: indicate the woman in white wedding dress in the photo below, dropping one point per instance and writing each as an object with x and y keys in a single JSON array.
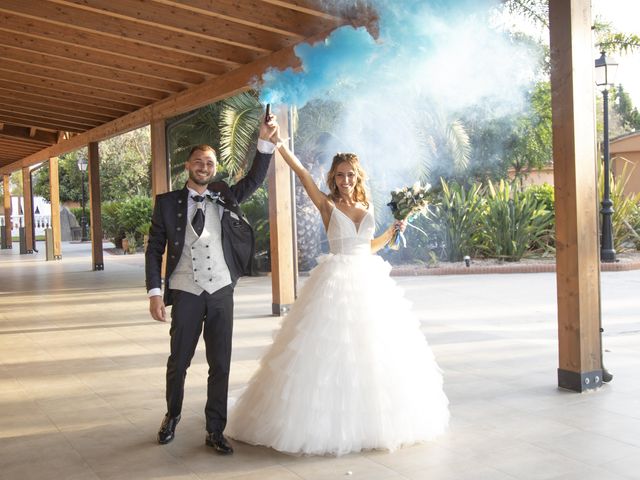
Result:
[{"x": 349, "y": 369}]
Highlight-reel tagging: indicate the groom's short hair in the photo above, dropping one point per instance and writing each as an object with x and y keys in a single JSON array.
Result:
[{"x": 203, "y": 148}]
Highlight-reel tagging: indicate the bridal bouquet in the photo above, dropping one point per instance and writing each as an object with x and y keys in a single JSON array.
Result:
[{"x": 405, "y": 203}]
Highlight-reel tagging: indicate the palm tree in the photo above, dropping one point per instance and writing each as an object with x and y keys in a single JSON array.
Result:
[
  {"x": 445, "y": 146},
  {"x": 229, "y": 126}
]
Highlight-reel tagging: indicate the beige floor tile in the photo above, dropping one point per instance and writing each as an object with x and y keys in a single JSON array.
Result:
[{"x": 82, "y": 372}]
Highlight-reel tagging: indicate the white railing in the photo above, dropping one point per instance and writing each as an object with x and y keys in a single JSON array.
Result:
[{"x": 40, "y": 221}]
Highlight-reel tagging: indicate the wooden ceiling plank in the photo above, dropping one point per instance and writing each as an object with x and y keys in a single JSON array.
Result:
[
  {"x": 50, "y": 120},
  {"x": 174, "y": 17},
  {"x": 208, "y": 92},
  {"x": 81, "y": 104},
  {"x": 41, "y": 91},
  {"x": 74, "y": 90},
  {"x": 30, "y": 122},
  {"x": 94, "y": 58},
  {"x": 60, "y": 64},
  {"x": 74, "y": 79},
  {"x": 48, "y": 113},
  {"x": 78, "y": 21},
  {"x": 109, "y": 44},
  {"x": 310, "y": 7},
  {"x": 42, "y": 107},
  {"x": 293, "y": 24},
  {"x": 23, "y": 142}
]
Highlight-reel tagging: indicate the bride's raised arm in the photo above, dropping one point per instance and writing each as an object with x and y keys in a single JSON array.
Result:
[{"x": 319, "y": 198}]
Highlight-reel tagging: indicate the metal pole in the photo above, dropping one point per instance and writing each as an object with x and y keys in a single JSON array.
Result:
[
  {"x": 607, "y": 252},
  {"x": 84, "y": 218}
]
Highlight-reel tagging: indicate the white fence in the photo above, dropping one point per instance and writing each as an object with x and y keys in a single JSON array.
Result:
[{"x": 41, "y": 222}]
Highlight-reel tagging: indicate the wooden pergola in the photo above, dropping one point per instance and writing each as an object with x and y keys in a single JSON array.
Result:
[{"x": 75, "y": 72}]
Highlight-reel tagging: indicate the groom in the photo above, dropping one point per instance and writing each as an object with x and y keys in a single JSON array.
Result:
[{"x": 209, "y": 245}]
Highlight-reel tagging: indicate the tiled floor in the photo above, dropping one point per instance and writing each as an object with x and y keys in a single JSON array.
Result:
[{"x": 82, "y": 381}]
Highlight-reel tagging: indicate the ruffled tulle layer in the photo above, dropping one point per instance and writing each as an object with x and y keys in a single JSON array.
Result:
[{"x": 349, "y": 369}]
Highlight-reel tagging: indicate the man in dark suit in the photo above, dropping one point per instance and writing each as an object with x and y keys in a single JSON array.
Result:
[{"x": 209, "y": 246}]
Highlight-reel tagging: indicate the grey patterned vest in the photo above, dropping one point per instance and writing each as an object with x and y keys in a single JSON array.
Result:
[{"x": 202, "y": 266}]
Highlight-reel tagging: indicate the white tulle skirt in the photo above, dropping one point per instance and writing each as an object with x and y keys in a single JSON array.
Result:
[{"x": 348, "y": 370}]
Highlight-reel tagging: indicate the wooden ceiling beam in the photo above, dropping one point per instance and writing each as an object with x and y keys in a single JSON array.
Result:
[
  {"x": 181, "y": 19},
  {"x": 9, "y": 106},
  {"x": 23, "y": 133},
  {"x": 294, "y": 25},
  {"x": 210, "y": 91},
  {"x": 309, "y": 7},
  {"x": 41, "y": 107},
  {"x": 30, "y": 121},
  {"x": 78, "y": 22},
  {"x": 76, "y": 90},
  {"x": 72, "y": 80},
  {"x": 19, "y": 142},
  {"x": 59, "y": 64},
  {"x": 108, "y": 44},
  {"x": 92, "y": 58},
  {"x": 35, "y": 100}
]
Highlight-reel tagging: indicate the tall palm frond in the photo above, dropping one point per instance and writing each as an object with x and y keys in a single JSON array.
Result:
[
  {"x": 445, "y": 145},
  {"x": 459, "y": 145},
  {"x": 240, "y": 117}
]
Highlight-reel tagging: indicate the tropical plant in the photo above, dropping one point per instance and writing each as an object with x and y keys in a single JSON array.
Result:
[
  {"x": 514, "y": 221},
  {"x": 445, "y": 146},
  {"x": 239, "y": 122},
  {"x": 456, "y": 215},
  {"x": 230, "y": 126},
  {"x": 624, "y": 207}
]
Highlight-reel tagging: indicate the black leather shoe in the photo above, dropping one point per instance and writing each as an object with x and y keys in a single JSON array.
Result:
[
  {"x": 167, "y": 429},
  {"x": 221, "y": 444},
  {"x": 606, "y": 376}
]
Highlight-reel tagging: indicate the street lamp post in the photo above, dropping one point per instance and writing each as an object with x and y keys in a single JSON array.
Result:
[
  {"x": 82, "y": 166},
  {"x": 605, "y": 73}
]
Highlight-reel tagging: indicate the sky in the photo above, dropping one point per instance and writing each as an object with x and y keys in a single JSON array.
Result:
[{"x": 625, "y": 17}]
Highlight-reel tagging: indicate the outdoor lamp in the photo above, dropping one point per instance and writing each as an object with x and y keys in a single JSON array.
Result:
[{"x": 82, "y": 166}]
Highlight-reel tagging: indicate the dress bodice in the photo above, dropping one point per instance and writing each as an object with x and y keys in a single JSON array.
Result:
[{"x": 347, "y": 238}]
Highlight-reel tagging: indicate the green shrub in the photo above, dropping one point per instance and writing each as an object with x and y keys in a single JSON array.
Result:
[
  {"x": 624, "y": 208},
  {"x": 456, "y": 216},
  {"x": 514, "y": 221},
  {"x": 129, "y": 216}
]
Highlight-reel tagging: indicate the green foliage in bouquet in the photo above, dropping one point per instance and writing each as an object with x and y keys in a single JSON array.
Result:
[{"x": 405, "y": 203}]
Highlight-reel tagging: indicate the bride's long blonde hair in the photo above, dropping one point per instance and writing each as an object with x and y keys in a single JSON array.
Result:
[{"x": 359, "y": 191}]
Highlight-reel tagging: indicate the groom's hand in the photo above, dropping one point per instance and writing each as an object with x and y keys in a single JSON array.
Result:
[
  {"x": 157, "y": 309},
  {"x": 270, "y": 130}
]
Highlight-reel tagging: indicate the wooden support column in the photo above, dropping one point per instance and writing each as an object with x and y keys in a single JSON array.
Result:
[
  {"x": 280, "y": 229},
  {"x": 94, "y": 204},
  {"x": 54, "y": 188},
  {"x": 28, "y": 209},
  {"x": 7, "y": 210},
  {"x": 159, "y": 159},
  {"x": 578, "y": 275}
]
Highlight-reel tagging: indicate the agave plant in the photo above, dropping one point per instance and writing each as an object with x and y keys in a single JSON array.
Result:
[
  {"x": 457, "y": 215},
  {"x": 514, "y": 221}
]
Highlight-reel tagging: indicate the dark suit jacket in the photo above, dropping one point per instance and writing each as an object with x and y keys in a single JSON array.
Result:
[{"x": 169, "y": 223}]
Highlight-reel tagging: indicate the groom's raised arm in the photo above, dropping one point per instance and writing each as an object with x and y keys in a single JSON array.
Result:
[{"x": 269, "y": 134}]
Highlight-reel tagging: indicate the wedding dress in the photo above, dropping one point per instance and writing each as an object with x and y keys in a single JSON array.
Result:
[{"x": 349, "y": 369}]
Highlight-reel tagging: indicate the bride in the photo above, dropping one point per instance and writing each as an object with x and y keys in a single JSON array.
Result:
[{"x": 349, "y": 369}]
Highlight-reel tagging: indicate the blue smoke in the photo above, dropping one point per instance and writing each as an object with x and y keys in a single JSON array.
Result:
[{"x": 411, "y": 32}]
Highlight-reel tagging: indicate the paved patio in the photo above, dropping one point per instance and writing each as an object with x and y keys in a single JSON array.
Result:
[{"x": 82, "y": 381}]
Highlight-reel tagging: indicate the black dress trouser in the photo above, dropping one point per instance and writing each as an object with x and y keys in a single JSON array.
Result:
[{"x": 188, "y": 315}]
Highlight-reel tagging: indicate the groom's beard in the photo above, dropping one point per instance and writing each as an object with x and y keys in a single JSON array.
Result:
[{"x": 200, "y": 181}]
